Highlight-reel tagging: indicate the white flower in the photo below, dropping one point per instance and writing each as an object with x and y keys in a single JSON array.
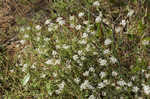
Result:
[
  {"x": 82, "y": 41},
  {"x": 57, "y": 61},
  {"x": 86, "y": 85},
  {"x": 86, "y": 73},
  {"x": 113, "y": 59},
  {"x": 59, "y": 19},
  {"x": 81, "y": 64},
  {"x": 39, "y": 50},
  {"x": 75, "y": 57},
  {"x": 77, "y": 80},
  {"x": 47, "y": 21},
  {"x": 33, "y": 66},
  {"x": 46, "y": 39},
  {"x": 121, "y": 97},
  {"x": 81, "y": 14},
  {"x": 100, "y": 14},
  {"x": 114, "y": 73},
  {"x": 96, "y": 3},
  {"x": 78, "y": 61},
  {"x": 68, "y": 66},
  {"x": 93, "y": 33},
  {"x": 87, "y": 47},
  {"x": 140, "y": 97},
  {"x": 91, "y": 69},
  {"x": 53, "y": 61},
  {"x": 123, "y": 23},
  {"x": 104, "y": 93},
  {"x": 92, "y": 97},
  {"x": 145, "y": 42},
  {"x": 22, "y": 29},
  {"x": 71, "y": 18},
  {"x": 101, "y": 85},
  {"x": 118, "y": 29},
  {"x": 148, "y": 67},
  {"x": 72, "y": 25},
  {"x": 61, "y": 85},
  {"x": 24, "y": 67},
  {"x": 17, "y": 45},
  {"x": 107, "y": 51},
  {"x": 66, "y": 46},
  {"x": 113, "y": 84},
  {"x": 103, "y": 62},
  {"x": 98, "y": 19},
  {"x": 85, "y": 35},
  {"x": 50, "y": 93},
  {"x": 146, "y": 89},
  {"x": 85, "y": 22},
  {"x": 102, "y": 74},
  {"x": 95, "y": 53},
  {"x": 147, "y": 75},
  {"x": 50, "y": 61},
  {"x": 133, "y": 78},
  {"x": 55, "y": 27},
  {"x": 83, "y": 58},
  {"x": 12, "y": 71},
  {"x": 121, "y": 82},
  {"x": 78, "y": 27},
  {"x": 54, "y": 53},
  {"x": 107, "y": 42},
  {"x": 54, "y": 74},
  {"x": 88, "y": 29},
  {"x": 43, "y": 75},
  {"x": 106, "y": 21},
  {"x": 38, "y": 27},
  {"x": 61, "y": 22},
  {"x": 51, "y": 24},
  {"x": 58, "y": 46},
  {"x": 140, "y": 59},
  {"x": 143, "y": 70},
  {"x": 130, "y": 13},
  {"x": 106, "y": 82},
  {"x": 28, "y": 28},
  {"x": 118, "y": 88},
  {"x": 50, "y": 29},
  {"x": 135, "y": 89},
  {"x": 22, "y": 42},
  {"x": 58, "y": 91},
  {"x": 80, "y": 52},
  {"x": 129, "y": 84}
]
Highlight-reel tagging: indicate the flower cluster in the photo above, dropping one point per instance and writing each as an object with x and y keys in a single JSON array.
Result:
[{"x": 73, "y": 57}]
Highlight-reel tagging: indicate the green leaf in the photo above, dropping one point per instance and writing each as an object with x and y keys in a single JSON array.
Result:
[
  {"x": 136, "y": 69},
  {"x": 26, "y": 79},
  {"x": 147, "y": 38}
]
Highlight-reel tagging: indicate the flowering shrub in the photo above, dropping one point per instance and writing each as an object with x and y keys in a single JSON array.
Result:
[{"x": 82, "y": 57}]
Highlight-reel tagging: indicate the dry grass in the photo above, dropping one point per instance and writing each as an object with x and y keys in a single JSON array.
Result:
[{"x": 19, "y": 19}]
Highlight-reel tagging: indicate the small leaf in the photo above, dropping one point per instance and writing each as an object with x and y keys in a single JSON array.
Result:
[
  {"x": 26, "y": 79},
  {"x": 147, "y": 38},
  {"x": 136, "y": 69}
]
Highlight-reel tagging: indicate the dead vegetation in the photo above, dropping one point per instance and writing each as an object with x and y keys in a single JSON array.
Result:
[{"x": 10, "y": 9}]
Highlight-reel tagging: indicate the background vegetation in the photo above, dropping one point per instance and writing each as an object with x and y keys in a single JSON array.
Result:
[{"x": 75, "y": 49}]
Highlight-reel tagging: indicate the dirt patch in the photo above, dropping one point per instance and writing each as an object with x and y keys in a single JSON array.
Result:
[{"x": 8, "y": 12}]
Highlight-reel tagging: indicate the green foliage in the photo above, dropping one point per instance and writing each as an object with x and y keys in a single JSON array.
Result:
[{"x": 58, "y": 59}]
